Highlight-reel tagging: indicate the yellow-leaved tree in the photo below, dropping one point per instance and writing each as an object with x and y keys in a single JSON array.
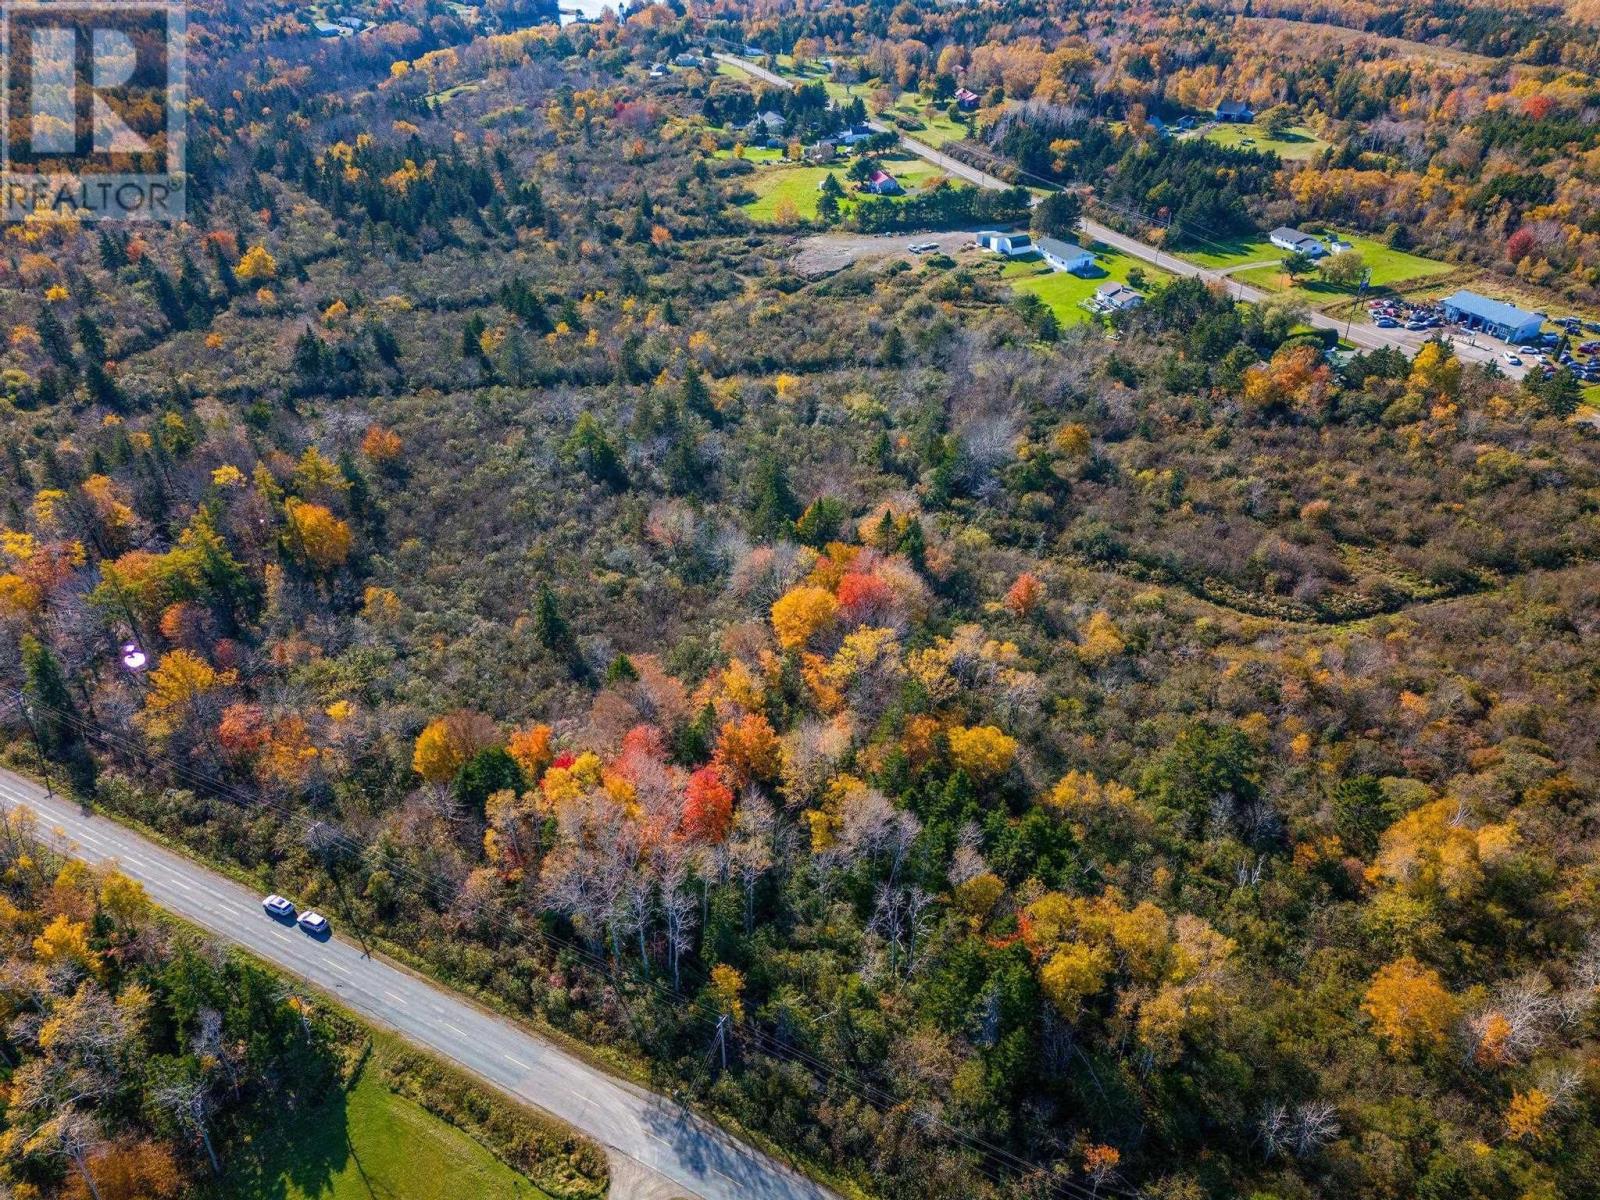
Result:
[
  {"x": 798, "y": 615},
  {"x": 317, "y": 537},
  {"x": 982, "y": 751},
  {"x": 179, "y": 680},
  {"x": 256, "y": 264},
  {"x": 444, "y": 745},
  {"x": 1410, "y": 1007}
]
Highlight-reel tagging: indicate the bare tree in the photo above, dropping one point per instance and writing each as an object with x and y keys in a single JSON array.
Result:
[
  {"x": 188, "y": 1099},
  {"x": 73, "y": 1135}
]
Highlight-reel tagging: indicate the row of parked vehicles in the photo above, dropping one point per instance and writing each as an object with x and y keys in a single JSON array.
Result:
[
  {"x": 1586, "y": 369},
  {"x": 280, "y": 909},
  {"x": 1395, "y": 313}
]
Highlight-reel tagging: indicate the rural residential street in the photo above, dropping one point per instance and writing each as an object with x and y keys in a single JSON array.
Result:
[
  {"x": 1357, "y": 333},
  {"x": 657, "y": 1148}
]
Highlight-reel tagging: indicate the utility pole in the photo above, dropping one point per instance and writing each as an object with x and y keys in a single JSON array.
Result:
[{"x": 38, "y": 745}]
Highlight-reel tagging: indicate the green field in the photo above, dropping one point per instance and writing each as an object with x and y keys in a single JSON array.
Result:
[
  {"x": 368, "y": 1144},
  {"x": 1296, "y": 143},
  {"x": 1388, "y": 266},
  {"x": 754, "y": 154},
  {"x": 1065, "y": 293},
  {"x": 1262, "y": 266},
  {"x": 937, "y": 125},
  {"x": 1234, "y": 253},
  {"x": 772, "y": 185}
]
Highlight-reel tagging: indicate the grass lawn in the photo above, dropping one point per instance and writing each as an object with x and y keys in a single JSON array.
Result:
[
  {"x": 754, "y": 154},
  {"x": 1234, "y": 253},
  {"x": 772, "y": 185},
  {"x": 1262, "y": 261},
  {"x": 368, "y": 1144},
  {"x": 937, "y": 127},
  {"x": 1065, "y": 293},
  {"x": 1297, "y": 142},
  {"x": 1388, "y": 267}
]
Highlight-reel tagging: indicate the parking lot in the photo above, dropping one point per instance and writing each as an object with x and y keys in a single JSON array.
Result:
[{"x": 1574, "y": 344}]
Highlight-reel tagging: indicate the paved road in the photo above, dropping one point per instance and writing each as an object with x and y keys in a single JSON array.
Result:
[
  {"x": 750, "y": 68},
  {"x": 1360, "y": 333},
  {"x": 684, "y": 1154}
]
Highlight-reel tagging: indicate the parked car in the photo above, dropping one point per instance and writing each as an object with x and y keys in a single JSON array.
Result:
[
  {"x": 1387, "y": 323},
  {"x": 314, "y": 922},
  {"x": 1513, "y": 359},
  {"x": 1530, "y": 351},
  {"x": 1415, "y": 325},
  {"x": 277, "y": 906},
  {"x": 1589, "y": 347},
  {"x": 923, "y": 247}
]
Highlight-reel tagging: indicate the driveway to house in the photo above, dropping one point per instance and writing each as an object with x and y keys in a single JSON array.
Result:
[{"x": 657, "y": 1147}]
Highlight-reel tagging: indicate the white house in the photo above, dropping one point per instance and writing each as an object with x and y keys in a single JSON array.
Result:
[
  {"x": 1114, "y": 298},
  {"x": 1064, "y": 256},
  {"x": 1296, "y": 242},
  {"x": 853, "y": 134},
  {"x": 1010, "y": 244}
]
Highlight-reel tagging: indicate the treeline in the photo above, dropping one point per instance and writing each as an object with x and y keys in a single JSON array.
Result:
[
  {"x": 1193, "y": 186},
  {"x": 943, "y": 208}
]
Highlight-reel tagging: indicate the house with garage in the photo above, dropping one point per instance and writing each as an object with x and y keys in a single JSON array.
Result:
[
  {"x": 1064, "y": 256},
  {"x": 881, "y": 183},
  {"x": 1495, "y": 317},
  {"x": 1296, "y": 242},
  {"x": 854, "y": 134},
  {"x": 1236, "y": 111},
  {"x": 1114, "y": 298},
  {"x": 967, "y": 100},
  {"x": 1009, "y": 244}
]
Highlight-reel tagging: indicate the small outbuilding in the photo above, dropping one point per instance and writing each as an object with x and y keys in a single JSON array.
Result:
[
  {"x": 1009, "y": 244},
  {"x": 881, "y": 183}
]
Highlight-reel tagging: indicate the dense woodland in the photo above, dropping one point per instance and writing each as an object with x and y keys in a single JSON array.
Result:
[{"x": 983, "y": 759}]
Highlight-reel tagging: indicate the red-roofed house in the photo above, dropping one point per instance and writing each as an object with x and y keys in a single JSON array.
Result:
[{"x": 881, "y": 183}]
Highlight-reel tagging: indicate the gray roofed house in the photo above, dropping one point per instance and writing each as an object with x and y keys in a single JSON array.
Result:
[
  {"x": 1296, "y": 242},
  {"x": 1064, "y": 256},
  {"x": 1235, "y": 110},
  {"x": 1115, "y": 297}
]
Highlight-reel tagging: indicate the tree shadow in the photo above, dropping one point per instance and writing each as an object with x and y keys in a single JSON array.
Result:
[{"x": 285, "y": 1149}]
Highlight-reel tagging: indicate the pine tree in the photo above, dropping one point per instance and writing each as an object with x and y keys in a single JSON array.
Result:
[
  {"x": 773, "y": 507},
  {"x": 48, "y": 697}
]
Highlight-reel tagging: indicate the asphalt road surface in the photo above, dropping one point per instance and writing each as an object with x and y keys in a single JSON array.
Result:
[
  {"x": 684, "y": 1154},
  {"x": 760, "y": 72}
]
